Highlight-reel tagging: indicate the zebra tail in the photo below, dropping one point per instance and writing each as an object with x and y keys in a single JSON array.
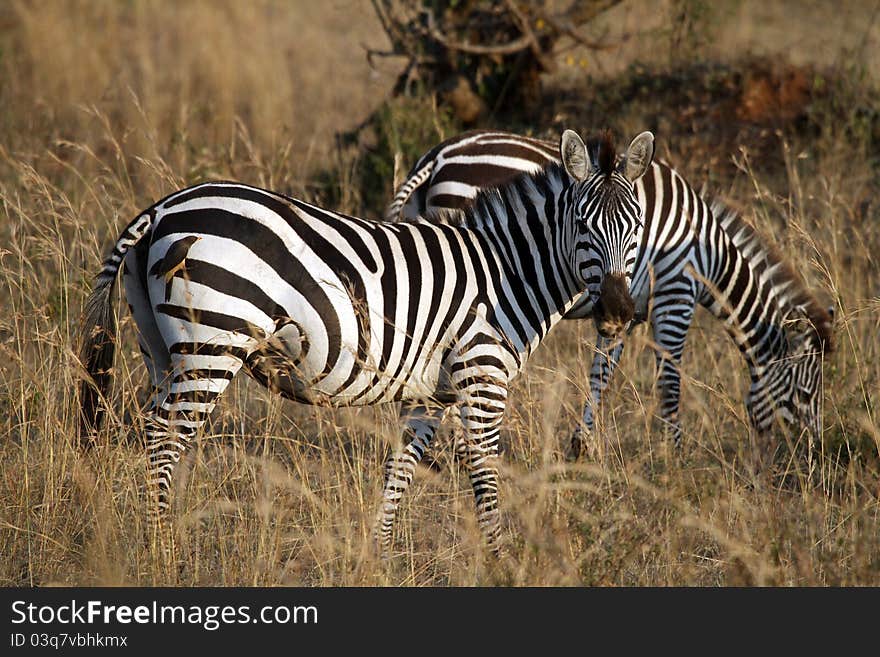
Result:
[
  {"x": 98, "y": 333},
  {"x": 393, "y": 213}
]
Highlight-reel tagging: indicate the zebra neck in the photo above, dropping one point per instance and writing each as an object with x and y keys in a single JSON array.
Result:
[{"x": 521, "y": 229}]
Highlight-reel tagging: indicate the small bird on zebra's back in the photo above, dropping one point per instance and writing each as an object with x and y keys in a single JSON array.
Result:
[{"x": 174, "y": 262}]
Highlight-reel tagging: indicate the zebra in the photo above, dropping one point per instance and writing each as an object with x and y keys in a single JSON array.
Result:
[
  {"x": 691, "y": 252},
  {"x": 325, "y": 308}
]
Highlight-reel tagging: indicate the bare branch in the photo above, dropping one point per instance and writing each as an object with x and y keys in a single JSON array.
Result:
[
  {"x": 568, "y": 30},
  {"x": 546, "y": 63},
  {"x": 372, "y": 52},
  {"x": 446, "y": 39},
  {"x": 582, "y": 11},
  {"x": 502, "y": 49}
]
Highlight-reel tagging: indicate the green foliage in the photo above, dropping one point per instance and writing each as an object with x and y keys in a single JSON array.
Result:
[
  {"x": 846, "y": 107},
  {"x": 693, "y": 26},
  {"x": 405, "y": 128}
]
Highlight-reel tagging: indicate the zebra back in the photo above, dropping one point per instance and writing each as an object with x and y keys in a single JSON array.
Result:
[
  {"x": 769, "y": 265},
  {"x": 454, "y": 171}
]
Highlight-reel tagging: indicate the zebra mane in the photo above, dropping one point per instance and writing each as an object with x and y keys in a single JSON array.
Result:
[
  {"x": 602, "y": 151},
  {"x": 794, "y": 298}
]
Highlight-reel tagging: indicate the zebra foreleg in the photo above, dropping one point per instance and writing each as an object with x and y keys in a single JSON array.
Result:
[
  {"x": 400, "y": 466},
  {"x": 670, "y": 386},
  {"x": 481, "y": 419},
  {"x": 605, "y": 362},
  {"x": 670, "y": 333}
]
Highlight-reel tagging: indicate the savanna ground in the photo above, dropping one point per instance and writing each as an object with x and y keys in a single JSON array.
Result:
[{"x": 109, "y": 106}]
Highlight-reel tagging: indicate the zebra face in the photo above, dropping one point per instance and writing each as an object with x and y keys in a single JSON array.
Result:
[
  {"x": 789, "y": 390},
  {"x": 807, "y": 390},
  {"x": 606, "y": 220}
]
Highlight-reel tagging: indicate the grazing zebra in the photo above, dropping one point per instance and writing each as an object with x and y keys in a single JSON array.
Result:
[
  {"x": 690, "y": 252},
  {"x": 329, "y": 309}
]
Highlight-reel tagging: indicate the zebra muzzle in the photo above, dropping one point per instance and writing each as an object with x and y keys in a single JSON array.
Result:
[{"x": 615, "y": 308}]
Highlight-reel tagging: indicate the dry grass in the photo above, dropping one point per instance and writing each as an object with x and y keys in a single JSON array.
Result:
[{"x": 108, "y": 106}]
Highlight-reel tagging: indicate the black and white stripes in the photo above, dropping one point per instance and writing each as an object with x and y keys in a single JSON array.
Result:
[
  {"x": 690, "y": 252},
  {"x": 325, "y": 308},
  {"x": 486, "y": 158}
]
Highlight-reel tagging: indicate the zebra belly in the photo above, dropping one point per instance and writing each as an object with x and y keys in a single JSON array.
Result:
[
  {"x": 277, "y": 364},
  {"x": 280, "y": 361}
]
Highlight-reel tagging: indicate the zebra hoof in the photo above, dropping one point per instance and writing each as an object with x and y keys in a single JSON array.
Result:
[
  {"x": 382, "y": 551},
  {"x": 673, "y": 434},
  {"x": 576, "y": 446}
]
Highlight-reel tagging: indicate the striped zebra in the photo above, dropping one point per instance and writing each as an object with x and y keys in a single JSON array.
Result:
[
  {"x": 690, "y": 252},
  {"x": 329, "y": 309}
]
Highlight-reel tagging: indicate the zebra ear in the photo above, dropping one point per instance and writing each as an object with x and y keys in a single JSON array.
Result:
[
  {"x": 638, "y": 156},
  {"x": 574, "y": 155}
]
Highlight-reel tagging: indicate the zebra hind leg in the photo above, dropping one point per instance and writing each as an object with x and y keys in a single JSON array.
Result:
[
  {"x": 172, "y": 424},
  {"x": 152, "y": 346}
]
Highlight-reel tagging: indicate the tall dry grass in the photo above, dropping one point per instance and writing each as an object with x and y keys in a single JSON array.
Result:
[{"x": 109, "y": 106}]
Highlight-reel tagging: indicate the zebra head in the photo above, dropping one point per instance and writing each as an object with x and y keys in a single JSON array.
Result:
[
  {"x": 607, "y": 219},
  {"x": 789, "y": 388}
]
